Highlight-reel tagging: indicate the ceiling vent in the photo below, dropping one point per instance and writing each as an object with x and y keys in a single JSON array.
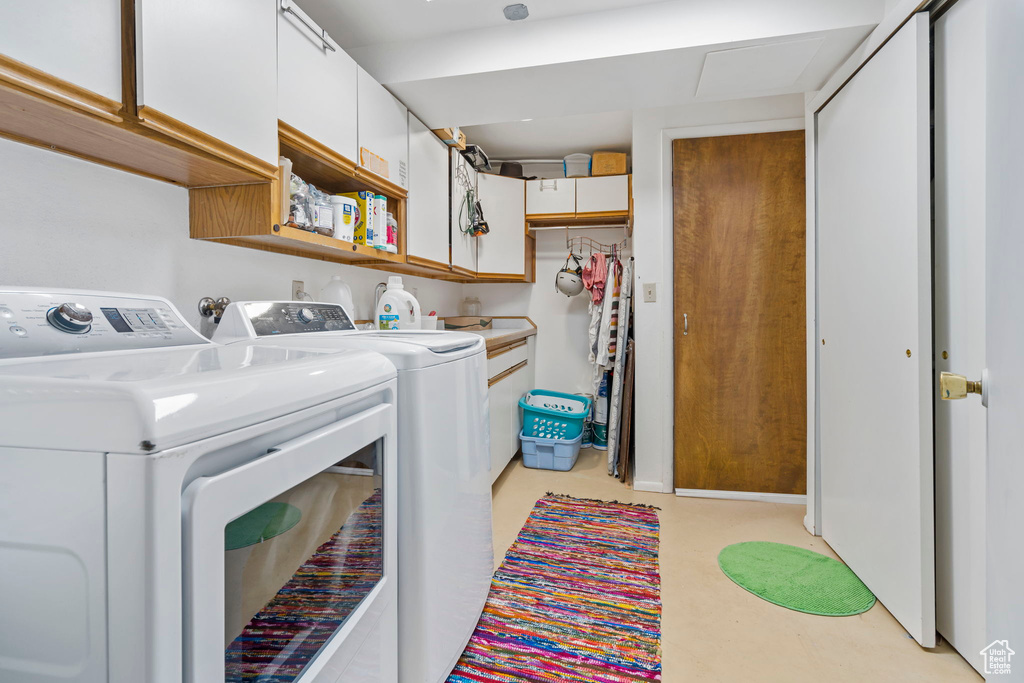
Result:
[
  {"x": 748, "y": 70},
  {"x": 516, "y": 12}
]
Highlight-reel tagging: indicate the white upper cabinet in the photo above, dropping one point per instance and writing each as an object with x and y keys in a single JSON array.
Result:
[
  {"x": 503, "y": 249},
  {"x": 383, "y": 131},
  {"x": 78, "y": 42},
  {"x": 556, "y": 195},
  {"x": 211, "y": 66},
  {"x": 464, "y": 177},
  {"x": 316, "y": 82},
  {"x": 602, "y": 194},
  {"x": 426, "y": 230}
]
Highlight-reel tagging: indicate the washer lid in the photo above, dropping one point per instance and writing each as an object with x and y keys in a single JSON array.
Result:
[
  {"x": 408, "y": 350},
  {"x": 143, "y": 401}
]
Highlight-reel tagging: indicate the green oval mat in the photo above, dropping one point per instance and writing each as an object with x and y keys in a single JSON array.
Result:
[
  {"x": 259, "y": 524},
  {"x": 796, "y": 578}
]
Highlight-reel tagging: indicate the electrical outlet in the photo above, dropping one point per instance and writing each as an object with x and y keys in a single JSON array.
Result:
[
  {"x": 650, "y": 292},
  {"x": 298, "y": 290}
]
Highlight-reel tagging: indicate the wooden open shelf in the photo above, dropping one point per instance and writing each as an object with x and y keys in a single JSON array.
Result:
[{"x": 250, "y": 215}]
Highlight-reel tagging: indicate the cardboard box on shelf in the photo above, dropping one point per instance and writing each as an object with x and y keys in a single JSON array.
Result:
[
  {"x": 453, "y": 137},
  {"x": 608, "y": 163}
]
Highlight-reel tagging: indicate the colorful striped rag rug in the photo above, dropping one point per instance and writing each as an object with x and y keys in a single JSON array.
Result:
[{"x": 577, "y": 599}]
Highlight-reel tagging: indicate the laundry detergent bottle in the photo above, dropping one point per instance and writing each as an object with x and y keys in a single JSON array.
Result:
[{"x": 397, "y": 308}]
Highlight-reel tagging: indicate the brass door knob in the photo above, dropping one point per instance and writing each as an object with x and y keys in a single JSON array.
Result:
[{"x": 953, "y": 386}]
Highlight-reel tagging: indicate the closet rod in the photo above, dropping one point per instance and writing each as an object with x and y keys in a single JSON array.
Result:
[{"x": 579, "y": 227}]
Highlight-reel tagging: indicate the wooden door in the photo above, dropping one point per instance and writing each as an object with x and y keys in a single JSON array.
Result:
[{"x": 740, "y": 364}]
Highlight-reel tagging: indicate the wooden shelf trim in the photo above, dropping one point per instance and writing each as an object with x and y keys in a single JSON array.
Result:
[
  {"x": 172, "y": 128},
  {"x": 27, "y": 79}
]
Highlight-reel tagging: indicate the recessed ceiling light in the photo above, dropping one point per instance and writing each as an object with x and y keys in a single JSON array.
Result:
[{"x": 516, "y": 12}]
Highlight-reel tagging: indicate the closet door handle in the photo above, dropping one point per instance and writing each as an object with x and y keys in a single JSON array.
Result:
[{"x": 686, "y": 325}]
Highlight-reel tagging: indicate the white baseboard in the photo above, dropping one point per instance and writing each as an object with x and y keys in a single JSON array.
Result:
[
  {"x": 788, "y": 498},
  {"x": 649, "y": 486}
]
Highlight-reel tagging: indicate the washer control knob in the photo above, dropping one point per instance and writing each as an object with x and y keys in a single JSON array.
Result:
[
  {"x": 70, "y": 317},
  {"x": 306, "y": 315}
]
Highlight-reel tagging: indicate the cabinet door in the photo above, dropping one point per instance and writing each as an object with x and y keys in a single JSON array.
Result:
[
  {"x": 602, "y": 195},
  {"x": 498, "y": 397},
  {"x": 383, "y": 130},
  {"x": 78, "y": 42},
  {"x": 464, "y": 177},
  {"x": 316, "y": 86},
  {"x": 426, "y": 234},
  {"x": 555, "y": 196},
  {"x": 502, "y": 250},
  {"x": 211, "y": 66},
  {"x": 519, "y": 384}
]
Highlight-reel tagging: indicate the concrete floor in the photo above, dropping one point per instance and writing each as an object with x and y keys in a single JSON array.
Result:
[{"x": 712, "y": 630}]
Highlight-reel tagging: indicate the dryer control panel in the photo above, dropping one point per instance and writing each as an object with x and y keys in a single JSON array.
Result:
[{"x": 35, "y": 322}]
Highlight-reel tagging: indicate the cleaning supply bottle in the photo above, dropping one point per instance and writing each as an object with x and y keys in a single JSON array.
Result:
[
  {"x": 397, "y": 308},
  {"x": 337, "y": 292}
]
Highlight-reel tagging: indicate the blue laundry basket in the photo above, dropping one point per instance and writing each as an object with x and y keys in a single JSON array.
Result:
[{"x": 553, "y": 415}]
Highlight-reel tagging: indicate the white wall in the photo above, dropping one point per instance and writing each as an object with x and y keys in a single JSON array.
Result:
[
  {"x": 562, "y": 362},
  {"x": 72, "y": 224},
  {"x": 652, "y": 200}
]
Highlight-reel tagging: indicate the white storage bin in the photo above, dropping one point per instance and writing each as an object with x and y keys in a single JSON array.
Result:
[{"x": 576, "y": 166}]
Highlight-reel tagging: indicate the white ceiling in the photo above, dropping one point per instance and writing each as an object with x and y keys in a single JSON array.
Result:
[
  {"x": 634, "y": 81},
  {"x": 555, "y": 138},
  {"x": 356, "y": 23},
  {"x": 579, "y": 67}
]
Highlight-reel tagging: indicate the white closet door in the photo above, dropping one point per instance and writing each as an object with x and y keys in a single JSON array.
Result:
[
  {"x": 79, "y": 42},
  {"x": 553, "y": 196},
  {"x": 212, "y": 66},
  {"x": 463, "y": 244},
  {"x": 503, "y": 249},
  {"x": 316, "y": 86},
  {"x": 960, "y": 438},
  {"x": 426, "y": 234},
  {"x": 383, "y": 128},
  {"x": 602, "y": 193},
  {"x": 1004, "y": 282},
  {"x": 875, "y": 320}
]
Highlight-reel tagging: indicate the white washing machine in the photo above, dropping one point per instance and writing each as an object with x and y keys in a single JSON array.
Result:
[
  {"x": 174, "y": 510},
  {"x": 445, "y": 554}
]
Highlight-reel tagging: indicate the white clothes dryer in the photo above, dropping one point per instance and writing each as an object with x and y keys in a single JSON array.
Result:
[
  {"x": 445, "y": 553},
  {"x": 175, "y": 510}
]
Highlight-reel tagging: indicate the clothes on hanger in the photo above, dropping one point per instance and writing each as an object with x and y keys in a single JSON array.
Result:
[
  {"x": 601, "y": 321},
  {"x": 595, "y": 273},
  {"x": 623, "y": 306}
]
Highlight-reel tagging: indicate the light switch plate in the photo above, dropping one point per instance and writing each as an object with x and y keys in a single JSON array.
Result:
[{"x": 650, "y": 292}]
